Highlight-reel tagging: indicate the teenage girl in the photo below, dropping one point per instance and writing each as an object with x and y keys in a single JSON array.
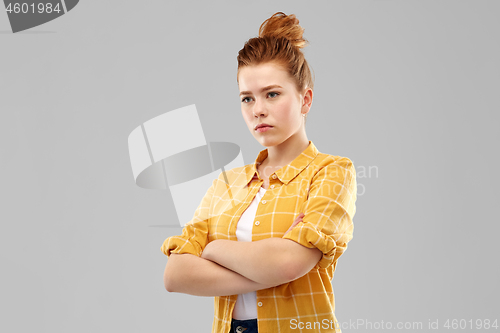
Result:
[{"x": 269, "y": 257}]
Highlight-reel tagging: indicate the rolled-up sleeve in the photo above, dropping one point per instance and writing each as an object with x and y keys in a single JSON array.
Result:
[
  {"x": 194, "y": 236},
  {"x": 329, "y": 210}
]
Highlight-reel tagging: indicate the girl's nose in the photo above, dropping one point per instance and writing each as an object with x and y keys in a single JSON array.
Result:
[{"x": 259, "y": 110}]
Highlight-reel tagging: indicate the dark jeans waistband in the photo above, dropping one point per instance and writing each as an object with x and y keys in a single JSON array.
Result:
[{"x": 244, "y": 326}]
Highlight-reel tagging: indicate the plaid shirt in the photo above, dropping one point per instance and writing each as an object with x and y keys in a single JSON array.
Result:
[{"x": 321, "y": 186}]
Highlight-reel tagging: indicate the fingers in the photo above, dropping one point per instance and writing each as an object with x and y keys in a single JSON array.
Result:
[{"x": 297, "y": 220}]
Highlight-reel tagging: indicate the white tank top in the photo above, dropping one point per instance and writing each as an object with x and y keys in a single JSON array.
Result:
[{"x": 246, "y": 304}]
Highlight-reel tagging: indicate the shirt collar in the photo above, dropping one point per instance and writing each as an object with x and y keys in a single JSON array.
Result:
[{"x": 288, "y": 172}]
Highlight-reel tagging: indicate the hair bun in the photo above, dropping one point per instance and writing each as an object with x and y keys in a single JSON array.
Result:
[{"x": 286, "y": 26}]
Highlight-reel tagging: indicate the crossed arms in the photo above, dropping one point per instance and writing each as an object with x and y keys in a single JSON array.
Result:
[{"x": 230, "y": 267}]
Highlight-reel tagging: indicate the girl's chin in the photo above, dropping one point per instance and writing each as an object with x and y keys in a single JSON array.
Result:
[{"x": 267, "y": 142}]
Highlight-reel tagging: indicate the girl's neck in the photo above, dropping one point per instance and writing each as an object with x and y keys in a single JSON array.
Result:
[{"x": 284, "y": 153}]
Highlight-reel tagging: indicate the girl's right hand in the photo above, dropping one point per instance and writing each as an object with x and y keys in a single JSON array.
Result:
[{"x": 297, "y": 220}]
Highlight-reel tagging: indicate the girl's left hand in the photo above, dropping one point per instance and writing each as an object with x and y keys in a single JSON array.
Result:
[{"x": 297, "y": 220}]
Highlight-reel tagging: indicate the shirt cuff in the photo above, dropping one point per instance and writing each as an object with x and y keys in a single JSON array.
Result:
[
  {"x": 306, "y": 234},
  {"x": 180, "y": 245}
]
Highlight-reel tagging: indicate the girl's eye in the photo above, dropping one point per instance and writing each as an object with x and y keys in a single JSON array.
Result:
[{"x": 271, "y": 93}]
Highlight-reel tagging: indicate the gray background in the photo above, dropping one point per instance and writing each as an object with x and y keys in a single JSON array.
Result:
[{"x": 409, "y": 88}]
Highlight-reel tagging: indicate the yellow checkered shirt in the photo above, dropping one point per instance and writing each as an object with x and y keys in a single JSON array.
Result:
[{"x": 321, "y": 186}]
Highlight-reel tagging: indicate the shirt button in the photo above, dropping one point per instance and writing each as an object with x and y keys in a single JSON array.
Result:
[
  {"x": 257, "y": 222},
  {"x": 274, "y": 176},
  {"x": 259, "y": 304},
  {"x": 272, "y": 186},
  {"x": 263, "y": 201}
]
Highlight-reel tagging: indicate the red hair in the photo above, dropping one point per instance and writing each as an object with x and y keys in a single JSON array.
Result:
[{"x": 280, "y": 40}]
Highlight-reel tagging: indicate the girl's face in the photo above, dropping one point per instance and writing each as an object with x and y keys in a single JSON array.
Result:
[{"x": 268, "y": 95}]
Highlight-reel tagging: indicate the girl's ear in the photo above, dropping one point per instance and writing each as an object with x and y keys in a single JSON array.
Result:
[{"x": 307, "y": 100}]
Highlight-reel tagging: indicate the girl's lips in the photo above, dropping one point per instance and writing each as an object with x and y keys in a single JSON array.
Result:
[{"x": 263, "y": 129}]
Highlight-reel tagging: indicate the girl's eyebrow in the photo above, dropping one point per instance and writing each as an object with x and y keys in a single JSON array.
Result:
[{"x": 262, "y": 90}]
